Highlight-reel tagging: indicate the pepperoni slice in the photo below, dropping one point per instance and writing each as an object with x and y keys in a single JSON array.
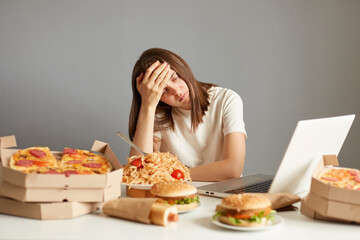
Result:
[
  {"x": 357, "y": 178},
  {"x": 70, "y": 151},
  {"x": 37, "y": 153},
  {"x": 69, "y": 172},
  {"x": 52, "y": 172},
  {"x": 92, "y": 165},
  {"x": 24, "y": 163},
  {"x": 74, "y": 162},
  {"x": 353, "y": 172}
]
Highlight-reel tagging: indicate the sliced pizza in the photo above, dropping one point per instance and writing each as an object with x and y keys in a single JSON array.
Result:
[
  {"x": 84, "y": 162},
  {"x": 347, "y": 178},
  {"x": 73, "y": 161},
  {"x": 31, "y": 159}
]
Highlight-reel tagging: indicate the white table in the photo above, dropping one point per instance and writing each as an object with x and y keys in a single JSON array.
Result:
[{"x": 192, "y": 225}]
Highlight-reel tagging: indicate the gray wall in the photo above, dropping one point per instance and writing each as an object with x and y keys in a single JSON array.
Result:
[{"x": 65, "y": 66}]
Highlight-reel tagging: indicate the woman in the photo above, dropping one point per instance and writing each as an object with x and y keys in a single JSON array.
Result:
[{"x": 200, "y": 123}]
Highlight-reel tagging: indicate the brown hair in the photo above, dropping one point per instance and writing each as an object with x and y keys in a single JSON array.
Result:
[{"x": 198, "y": 91}]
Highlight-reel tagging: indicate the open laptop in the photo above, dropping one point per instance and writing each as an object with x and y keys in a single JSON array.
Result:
[{"x": 310, "y": 140}]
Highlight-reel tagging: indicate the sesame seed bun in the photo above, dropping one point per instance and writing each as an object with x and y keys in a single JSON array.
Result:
[
  {"x": 172, "y": 189},
  {"x": 241, "y": 202}
]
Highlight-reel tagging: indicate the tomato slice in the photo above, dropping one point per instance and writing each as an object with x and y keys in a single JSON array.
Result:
[
  {"x": 41, "y": 164},
  {"x": 137, "y": 163},
  {"x": 178, "y": 174}
]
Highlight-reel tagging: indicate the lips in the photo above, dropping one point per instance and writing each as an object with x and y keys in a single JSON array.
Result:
[{"x": 183, "y": 97}]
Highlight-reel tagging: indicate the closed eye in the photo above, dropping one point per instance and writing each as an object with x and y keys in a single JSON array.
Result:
[{"x": 174, "y": 78}]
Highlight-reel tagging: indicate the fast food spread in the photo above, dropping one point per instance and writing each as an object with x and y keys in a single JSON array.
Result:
[
  {"x": 153, "y": 168},
  {"x": 247, "y": 210},
  {"x": 341, "y": 177},
  {"x": 178, "y": 194},
  {"x": 36, "y": 160}
]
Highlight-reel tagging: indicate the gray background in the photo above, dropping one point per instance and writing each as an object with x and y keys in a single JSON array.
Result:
[{"x": 65, "y": 66}]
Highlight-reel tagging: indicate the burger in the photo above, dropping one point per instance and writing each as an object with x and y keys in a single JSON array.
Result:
[
  {"x": 246, "y": 210},
  {"x": 176, "y": 193}
]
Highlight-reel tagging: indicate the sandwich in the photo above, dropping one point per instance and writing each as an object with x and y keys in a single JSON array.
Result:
[
  {"x": 246, "y": 210},
  {"x": 176, "y": 193},
  {"x": 146, "y": 210}
]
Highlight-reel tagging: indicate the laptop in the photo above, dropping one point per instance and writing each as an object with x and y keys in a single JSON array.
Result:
[{"x": 310, "y": 140}]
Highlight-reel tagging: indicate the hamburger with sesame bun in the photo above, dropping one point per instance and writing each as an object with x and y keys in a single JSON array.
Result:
[
  {"x": 246, "y": 210},
  {"x": 180, "y": 194}
]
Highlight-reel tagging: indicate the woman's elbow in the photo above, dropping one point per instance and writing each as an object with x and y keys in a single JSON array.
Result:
[{"x": 235, "y": 169}]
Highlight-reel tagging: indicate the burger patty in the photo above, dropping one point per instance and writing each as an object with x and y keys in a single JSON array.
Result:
[{"x": 234, "y": 212}]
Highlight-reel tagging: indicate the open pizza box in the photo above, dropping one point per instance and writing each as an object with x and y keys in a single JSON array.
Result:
[
  {"x": 59, "y": 187},
  {"x": 47, "y": 211},
  {"x": 330, "y": 192},
  {"x": 328, "y": 202}
]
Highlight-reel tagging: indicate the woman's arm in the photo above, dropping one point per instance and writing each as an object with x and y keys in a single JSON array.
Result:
[
  {"x": 150, "y": 86},
  {"x": 231, "y": 166}
]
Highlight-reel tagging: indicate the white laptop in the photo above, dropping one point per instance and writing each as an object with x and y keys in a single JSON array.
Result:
[{"x": 310, "y": 140}]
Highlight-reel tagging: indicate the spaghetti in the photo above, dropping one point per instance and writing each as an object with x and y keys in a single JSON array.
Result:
[{"x": 156, "y": 167}]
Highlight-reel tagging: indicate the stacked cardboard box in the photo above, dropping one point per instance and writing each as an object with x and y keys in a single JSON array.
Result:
[
  {"x": 328, "y": 202},
  {"x": 55, "y": 196}
]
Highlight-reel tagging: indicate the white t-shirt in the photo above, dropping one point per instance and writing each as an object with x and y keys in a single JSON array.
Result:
[{"x": 205, "y": 145}]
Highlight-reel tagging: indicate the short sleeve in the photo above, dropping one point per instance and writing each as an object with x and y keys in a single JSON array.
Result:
[{"x": 233, "y": 120}]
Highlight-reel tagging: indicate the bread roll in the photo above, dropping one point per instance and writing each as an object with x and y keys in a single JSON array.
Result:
[{"x": 162, "y": 214}]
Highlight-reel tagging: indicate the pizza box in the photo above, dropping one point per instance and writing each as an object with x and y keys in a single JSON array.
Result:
[
  {"x": 59, "y": 180},
  {"x": 28, "y": 194},
  {"x": 46, "y": 211},
  {"x": 331, "y": 210},
  {"x": 326, "y": 191},
  {"x": 308, "y": 211}
]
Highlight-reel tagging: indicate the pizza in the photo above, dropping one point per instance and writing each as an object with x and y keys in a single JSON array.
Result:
[
  {"x": 33, "y": 158},
  {"x": 84, "y": 162},
  {"x": 347, "y": 178},
  {"x": 72, "y": 161}
]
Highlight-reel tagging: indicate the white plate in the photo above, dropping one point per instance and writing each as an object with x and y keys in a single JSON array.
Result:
[
  {"x": 278, "y": 220},
  {"x": 189, "y": 210},
  {"x": 139, "y": 186}
]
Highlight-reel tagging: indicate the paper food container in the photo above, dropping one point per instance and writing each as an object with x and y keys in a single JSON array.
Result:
[
  {"x": 332, "y": 209},
  {"x": 329, "y": 202},
  {"x": 47, "y": 211},
  {"x": 59, "y": 187},
  {"x": 25, "y": 194},
  {"x": 330, "y": 192},
  {"x": 308, "y": 211}
]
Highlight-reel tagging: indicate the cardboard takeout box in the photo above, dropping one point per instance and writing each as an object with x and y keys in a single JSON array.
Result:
[
  {"x": 59, "y": 187},
  {"x": 329, "y": 202},
  {"x": 47, "y": 211},
  {"x": 329, "y": 192},
  {"x": 308, "y": 211},
  {"x": 25, "y": 194}
]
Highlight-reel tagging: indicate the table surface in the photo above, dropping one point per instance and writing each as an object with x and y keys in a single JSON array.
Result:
[{"x": 196, "y": 224}]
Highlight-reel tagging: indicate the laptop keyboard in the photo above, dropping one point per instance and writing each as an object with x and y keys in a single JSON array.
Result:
[{"x": 262, "y": 187}]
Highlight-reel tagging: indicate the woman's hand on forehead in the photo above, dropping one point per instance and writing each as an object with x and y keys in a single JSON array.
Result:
[{"x": 151, "y": 84}]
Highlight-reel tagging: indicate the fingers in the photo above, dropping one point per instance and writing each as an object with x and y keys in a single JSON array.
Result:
[
  {"x": 156, "y": 72},
  {"x": 149, "y": 71},
  {"x": 166, "y": 78},
  {"x": 162, "y": 75},
  {"x": 139, "y": 79}
]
